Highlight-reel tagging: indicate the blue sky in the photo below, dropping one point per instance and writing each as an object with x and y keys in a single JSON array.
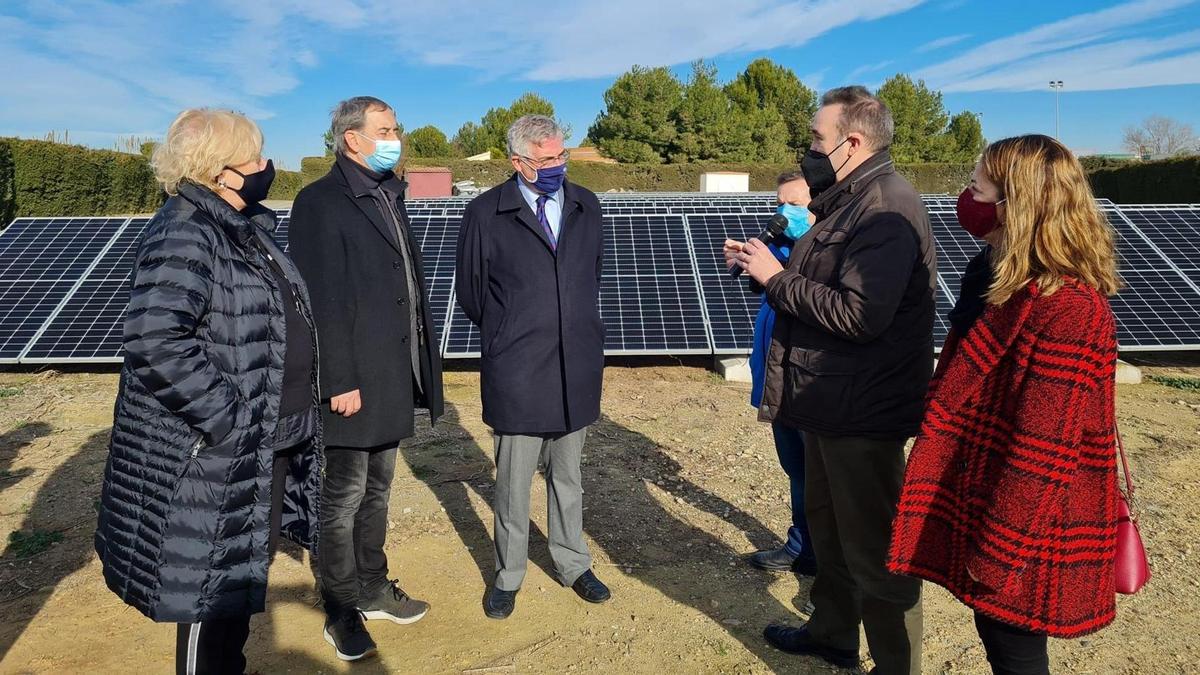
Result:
[{"x": 108, "y": 68}]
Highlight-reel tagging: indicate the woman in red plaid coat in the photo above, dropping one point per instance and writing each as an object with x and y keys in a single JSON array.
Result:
[{"x": 1010, "y": 495}]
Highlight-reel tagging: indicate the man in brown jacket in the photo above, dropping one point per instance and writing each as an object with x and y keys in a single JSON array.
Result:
[{"x": 850, "y": 359}]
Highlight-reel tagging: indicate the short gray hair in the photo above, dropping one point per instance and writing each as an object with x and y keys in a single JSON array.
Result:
[
  {"x": 531, "y": 130},
  {"x": 862, "y": 113},
  {"x": 351, "y": 115}
]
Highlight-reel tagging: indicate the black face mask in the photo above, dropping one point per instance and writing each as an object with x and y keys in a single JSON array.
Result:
[
  {"x": 255, "y": 186},
  {"x": 818, "y": 170}
]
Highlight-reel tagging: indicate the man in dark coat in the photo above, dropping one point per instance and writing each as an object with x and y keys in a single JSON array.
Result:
[
  {"x": 528, "y": 274},
  {"x": 351, "y": 240},
  {"x": 850, "y": 359}
]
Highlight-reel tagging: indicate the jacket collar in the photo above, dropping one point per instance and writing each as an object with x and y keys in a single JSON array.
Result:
[
  {"x": 511, "y": 200},
  {"x": 845, "y": 190},
  {"x": 239, "y": 226},
  {"x": 361, "y": 180},
  {"x": 365, "y": 201}
]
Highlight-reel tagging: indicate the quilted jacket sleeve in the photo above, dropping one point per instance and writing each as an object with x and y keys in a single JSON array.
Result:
[
  {"x": 874, "y": 275},
  {"x": 1073, "y": 352},
  {"x": 172, "y": 285}
]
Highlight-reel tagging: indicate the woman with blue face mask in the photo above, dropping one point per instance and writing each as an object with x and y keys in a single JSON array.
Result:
[{"x": 796, "y": 554}]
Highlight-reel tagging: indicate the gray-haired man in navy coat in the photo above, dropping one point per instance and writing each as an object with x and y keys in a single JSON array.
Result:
[{"x": 529, "y": 259}]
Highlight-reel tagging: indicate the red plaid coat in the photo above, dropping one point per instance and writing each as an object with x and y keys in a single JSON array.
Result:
[{"x": 1013, "y": 474}]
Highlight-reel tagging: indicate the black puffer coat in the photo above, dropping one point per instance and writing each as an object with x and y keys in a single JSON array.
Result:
[{"x": 184, "y": 509}]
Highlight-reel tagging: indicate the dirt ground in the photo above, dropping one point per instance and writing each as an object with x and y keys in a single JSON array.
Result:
[{"x": 681, "y": 484}]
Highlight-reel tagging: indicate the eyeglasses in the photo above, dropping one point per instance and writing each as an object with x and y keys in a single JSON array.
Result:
[{"x": 546, "y": 161}]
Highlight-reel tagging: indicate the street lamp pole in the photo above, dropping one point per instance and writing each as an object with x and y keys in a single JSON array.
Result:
[{"x": 1057, "y": 86}]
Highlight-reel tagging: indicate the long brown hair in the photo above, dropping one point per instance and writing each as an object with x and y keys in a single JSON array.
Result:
[{"x": 1052, "y": 228}]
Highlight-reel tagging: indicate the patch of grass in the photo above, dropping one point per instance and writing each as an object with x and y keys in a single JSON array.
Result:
[
  {"x": 1185, "y": 383},
  {"x": 24, "y": 544},
  {"x": 423, "y": 472},
  {"x": 8, "y": 392}
]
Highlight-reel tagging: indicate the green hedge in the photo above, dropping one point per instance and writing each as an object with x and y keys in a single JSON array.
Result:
[
  {"x": 51, "y": 179},
  {"x": 599, "y": 177},
  {"x": 1169, "y": 181},
  {"x": 7, "y": 203},
  {"x": 286, "y": 185},
  {"x": 41, "y": 178}
]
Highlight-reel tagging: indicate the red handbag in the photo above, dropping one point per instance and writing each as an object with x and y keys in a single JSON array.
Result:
[{"x": 1133, "y": 567}]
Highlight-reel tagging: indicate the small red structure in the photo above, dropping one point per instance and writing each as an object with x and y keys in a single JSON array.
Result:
[{"x": 428, "y": 181}]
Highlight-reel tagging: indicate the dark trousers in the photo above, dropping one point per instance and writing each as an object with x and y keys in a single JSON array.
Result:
[
  {"x": 789, "y": 445},
  {"x": 212, "y": 647},
  {"x": 354, "y": 508},
  {"x": 852, "y": 486},
  {"x": 215, "y": 647},
  {"x": 1012, "y": 650}
]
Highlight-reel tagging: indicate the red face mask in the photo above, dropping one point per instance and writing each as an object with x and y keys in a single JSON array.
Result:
[{"x": 978, "y": 218}]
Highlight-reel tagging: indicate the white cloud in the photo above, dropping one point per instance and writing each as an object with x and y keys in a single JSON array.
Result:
[
  {"x": 1089, "y": 51},
  {"x": 115, "y": 65},
  {"x": 815, "y": 80},
  {"x": 869, "y": 68},
  {"x": 591, "y": 39},
  {"x": 942, "y": 43},
  {"x": 1121, "y": 64}
]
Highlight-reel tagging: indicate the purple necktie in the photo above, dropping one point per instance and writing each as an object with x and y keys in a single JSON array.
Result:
[{"x": 541, "y": 216}]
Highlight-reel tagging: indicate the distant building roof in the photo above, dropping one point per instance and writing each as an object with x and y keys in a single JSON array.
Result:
[{"x": 481, "y": 157}]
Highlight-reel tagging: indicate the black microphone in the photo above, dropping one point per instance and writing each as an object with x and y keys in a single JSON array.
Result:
[{"x": 775, "y": 227}]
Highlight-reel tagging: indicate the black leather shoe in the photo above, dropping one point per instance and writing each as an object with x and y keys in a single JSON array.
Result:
[
  {"x": 499, "y": 604},
  {"x": 798, "y": 641},
  {"x": 590, "y": 588},
  {"x": 781, "y": 560},
  {"x": 773, "y": 560}
]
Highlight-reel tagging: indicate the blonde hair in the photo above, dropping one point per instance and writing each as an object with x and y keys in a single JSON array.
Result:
[
  {"x": 201, "y": 142},
  {"x": 1052, "y": 228}
]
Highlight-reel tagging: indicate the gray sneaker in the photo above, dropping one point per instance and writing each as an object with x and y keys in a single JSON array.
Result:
[{"x": 393, "y": 604}]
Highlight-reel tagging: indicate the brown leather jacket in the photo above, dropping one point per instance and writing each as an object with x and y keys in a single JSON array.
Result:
[{"x": 852, "y": 350}]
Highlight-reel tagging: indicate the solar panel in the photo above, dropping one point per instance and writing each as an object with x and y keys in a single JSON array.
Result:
[
  {"x": 90, "y": 326},
  {"x": 280, "y": 234},
  {"x": 1157, "y": 308},
  {"x": 650, "y": 303},
  {"x": 955, "y": 248},
  {"x": 437, "y": 238},
  {"x": 41, "y": 261},
  {"x": 649, "y": 296},
  {"x": 1174, "y": 231},
  {"x": 943, "y": 303},
  {"x": 730, "y": 304},
  {"x": 64, "y": 281}
]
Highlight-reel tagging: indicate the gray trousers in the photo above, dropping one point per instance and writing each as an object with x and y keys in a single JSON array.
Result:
[
  {"x": 851, "y": 489},
  {"x": 517, "y": 458}
]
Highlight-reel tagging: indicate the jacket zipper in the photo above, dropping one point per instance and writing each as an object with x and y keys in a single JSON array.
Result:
[
  {"x": 196, "y": 447},
  {"x": 312, "y": 329}
]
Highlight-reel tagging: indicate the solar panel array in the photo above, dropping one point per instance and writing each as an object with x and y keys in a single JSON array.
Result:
[{"x": 664, "y": 290}]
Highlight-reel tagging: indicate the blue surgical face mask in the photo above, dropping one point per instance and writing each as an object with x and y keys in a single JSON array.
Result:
[
  {"x": 797, "y": 217},
  {"x": 549, "y": 179},
  {"x": 386, "y": 155}
]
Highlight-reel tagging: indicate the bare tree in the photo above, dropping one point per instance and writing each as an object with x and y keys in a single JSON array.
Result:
[{"x": 1160, "y": 136}]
